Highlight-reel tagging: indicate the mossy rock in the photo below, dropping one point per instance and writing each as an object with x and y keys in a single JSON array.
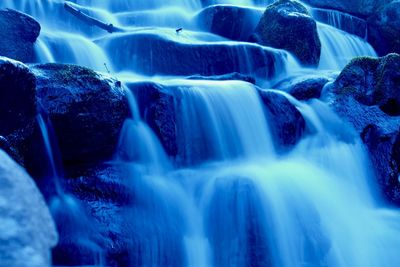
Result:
[{"x": 286, "y": 24}]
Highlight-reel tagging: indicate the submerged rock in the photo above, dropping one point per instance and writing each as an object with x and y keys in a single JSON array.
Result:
[
  {"x": 366, "y": 93},
  {"x": 303, "y": 87},
  {"x": 286, "y": 24},
  {"x": 27, "y": 231},
  {"x": 232, "y": 22},
  {"x": 285, "y": 121},
  {"x": 18, "y": 35},
  {"x": 384, "y": 29},
  {"x": 167, "y": 53},
  {"x": 87, "y": 110}
]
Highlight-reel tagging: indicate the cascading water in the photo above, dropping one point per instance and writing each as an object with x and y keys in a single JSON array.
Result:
[{"x": 227, "y": 198}]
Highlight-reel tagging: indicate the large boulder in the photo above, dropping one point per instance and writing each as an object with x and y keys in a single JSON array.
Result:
[
  {"x": 384, "y": 29},
  {"x": 86, "y": 109},
  {"x": 232, "y": 22},
  {"x": 167, "y": 53},
  {"x": 286, "y": 122},
  {"x": 27, "y": 231},
  {"x": 286, "y": 24},
  {"x": 18, "y": 35},
  {"x": 366, "y": 94},
  {"x": 362, "y": 8}
]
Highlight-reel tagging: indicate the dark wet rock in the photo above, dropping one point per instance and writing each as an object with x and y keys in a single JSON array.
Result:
[
  {"x": 17, "y": 106},
  {"x": 17, "y": 102},
  {"x": 286, "y": 24},
  {"x": 303, "y": 87},
  {"x": 346, "y": 22},
  {"x": 285, "y": 121},
  {"x": 362, "y": 8},
  {"x": 384, "y": 29},
  {"x": 232, "y": 22},
  {"x": 226, "y": 77},
  {"x": 86, "y": 109},
  {"x": 27, "y": 229},
  {"x": 18, "y": 35},
  {"x": 157, "y": 108},
  {"x": 166, "y": 55},
  {"x": 366, "y": 94}
]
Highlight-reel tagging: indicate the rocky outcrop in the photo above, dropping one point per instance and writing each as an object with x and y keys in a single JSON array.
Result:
[
  {"x": 286, "y": 24},
  {"x": 384, "y": 29},
  {"x": 232, "y": 22},
  {"x": 27, "y": 231},
  {"x": 166, "y": 54},
  {"x": 87, "y": 110},
  {"x": 285, "y": 121},
  {"x": 366, "y": 93},
  {"x": 18, "y": 35}
]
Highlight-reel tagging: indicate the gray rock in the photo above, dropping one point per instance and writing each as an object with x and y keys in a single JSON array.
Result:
[{"x": 27, "y": 231}]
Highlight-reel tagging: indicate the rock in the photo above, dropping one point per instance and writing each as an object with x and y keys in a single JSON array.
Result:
[
  {"x": 232, "y": 22},
  {"x": 384, "y": 29},
  {"x": 285, "y": 121},
  {"x": 340, "y": 20},
  {"x": 366, "y": 94},
  {"x": 166, "y": 54},
  {"x": 87, "y": 111},
  {"x": 286, "y": 24},
  {"x": 363, "y": 8},
  {"x": 27, "y": 231},
  {"x": 18, "y": 35},
  {"x": 226, "y": 77},
  {"x": 303, "y": 87}
]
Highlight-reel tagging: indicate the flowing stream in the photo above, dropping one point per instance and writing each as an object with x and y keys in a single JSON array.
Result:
[{"x": 228, "y": 198}]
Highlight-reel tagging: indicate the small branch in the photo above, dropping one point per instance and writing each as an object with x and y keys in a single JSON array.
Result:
[{"x": 90, "y": 20}]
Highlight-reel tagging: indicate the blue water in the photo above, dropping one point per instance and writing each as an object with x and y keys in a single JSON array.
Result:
[{"x": 228, "y": 198}]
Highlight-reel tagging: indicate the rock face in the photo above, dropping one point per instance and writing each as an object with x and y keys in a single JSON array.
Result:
[
  {"x": 166, "y": 55},
  {"x": 86, "y": 109},
  {"x": 285, "y": 121},
  {"x": 286, "y": 24},
  {"x": 17, "y": 36},
  {"x": 367, "y": 95},
  {"x": 384, "y": 29},
  {"x": 363, "y": 8},
  {"x": 27, "y": 231},
  {"x": 232, "y": 22}
]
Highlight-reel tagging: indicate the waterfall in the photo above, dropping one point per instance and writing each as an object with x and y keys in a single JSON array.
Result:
[
  {"x": 228, "y": 197},
  {"x": 339, "y": 47}
]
